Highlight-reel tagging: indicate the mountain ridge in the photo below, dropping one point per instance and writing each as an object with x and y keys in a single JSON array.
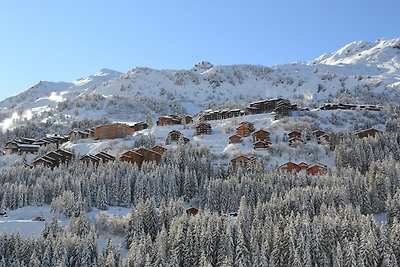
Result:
[{"x": 360, "y": 71}]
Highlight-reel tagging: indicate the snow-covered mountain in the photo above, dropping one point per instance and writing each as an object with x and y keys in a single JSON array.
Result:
[{"x": 360, "y": 72}]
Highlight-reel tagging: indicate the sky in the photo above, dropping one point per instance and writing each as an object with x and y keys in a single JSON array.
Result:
[{"x": 65, "y": 40}]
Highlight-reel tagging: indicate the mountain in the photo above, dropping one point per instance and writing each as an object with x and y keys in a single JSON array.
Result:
[{"x": 361, "y": 72}]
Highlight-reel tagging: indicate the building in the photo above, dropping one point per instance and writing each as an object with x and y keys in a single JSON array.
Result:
[
  {"x": 90, "y": 159},
  {"x": 261, "y": 144},
  {"x": 324, "y": 138},
  {"x": 104, "y": 156},
  {"x": 112, "y": 131},
  {"x": 159, "y": 149},
  {"x": 174, "y": 135},
  {"x": 149, "y": 155},
  {"x": 234, "y": 139},
  {"x": 139, "y": 126},
  {"x": 371, "y": 132},
  {"x": 294, "y": 141},
  {"x": 293, "y": 134},
  {"x": 132, "y": 157},
  {"x": 186, "y": 119},
  {"x": 260, "y": 135},
  {"x": 203, "y": 128},
  {"x": 316, "y": 169},
  {"x": 290, "y": 167},
  {"x": 318, "y": 133},
  {"x": 168, "y": 120},
  {"x": 192, "y": 211},
  {"x": 245, "y": 129}
]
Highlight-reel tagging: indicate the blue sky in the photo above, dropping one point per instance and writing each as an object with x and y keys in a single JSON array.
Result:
[{"x": 68, "y": 39}]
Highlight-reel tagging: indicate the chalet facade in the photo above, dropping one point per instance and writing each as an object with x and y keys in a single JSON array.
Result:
[
  {"x": 234, "y": 139},
  {"x": 90, "y": 159},
  {"x": 203, "y": 128},
  {"x": 149, "y": 155},
  {"x": 290, "y": 167},
  {"x": 159, "y": 149},
  {"x": 245, "y": 129},
  {"x": 169, "y": 120},
  {"x": 31, "y": 145},
  {"x": 316, "y": 169},
  {"x": 112, "y": 131},
  {"x": 318, "y": 133},
  {"x": 312, "y": 169},
  {"x": 54, "y": 158},
  {"x": 371, "y": 132},
  {"x": 174, "y": 135},
  {"x": 280, "y": 106},
  {"x": 186, "y": 119},
  {"x": 220, "y": 114},
  {"x": 293, "y": 134},
  {"x": 260, "y": 135},
  {"x": 139, "y": 126},
  {"x": 261, "y": 144},
  {"x": 141, "y": 155}
]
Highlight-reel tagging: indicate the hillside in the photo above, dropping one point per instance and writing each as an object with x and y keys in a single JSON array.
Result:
[{"x": 360, "y": 72}]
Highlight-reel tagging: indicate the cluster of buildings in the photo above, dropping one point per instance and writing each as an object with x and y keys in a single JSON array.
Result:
[
  {"x": 53, "y": 158},
  {"x": 260, "y": 138},
  {"x": 174, "y": 119},
  {"x": 333, "y": 106},
  {"x": 310, "y": 169},
  {"x": 280, "y": 106},
  {"x": 32, "y": 145}
]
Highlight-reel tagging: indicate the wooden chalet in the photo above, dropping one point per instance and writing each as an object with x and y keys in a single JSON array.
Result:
[
  {"x": 203, "y": 128},
  {"x": 270, "y": 105},
  {"x": 90, "y": 159},
  {"x": 245, "y": 129},
  {"x": 174, "y": 135},
  {"x": 112, "y": 131},
  {"x": 260, "y": 135},
  {"x": 17, "y": 147},
  {"x": 139, "y": 126},
  {"x": 168, "y": 120},
  {"x": 186, "y": 119},
  {"x": 78, "y": 134},
  {"x": 324, "y": 138},
  {"x": 234, "y": 139},
  {"x": 159, "y": 149},
  {"x": 282, "y": 111},
  {"x": 290, "y": 167},
  {"x": 261, "y": 144},
  {"x": 292, "y": 134},
  {"x": 44, "y": 161},
  {"x": 303, "y": 165},
  {"x": 316, "y": 169},
  {"x": 104, "y": 156},
  {"x": 192, "y": 211},
  {"x": 294, "y": 141},
  {"x": 220, "y": 114},
  {"x": 132, "y": 157},
  {"x": 149, "y": 155},
  {"x": 371, "y": 132},
  {"x": 318, "y": 133},
  {"x": 242, "y": 161}
]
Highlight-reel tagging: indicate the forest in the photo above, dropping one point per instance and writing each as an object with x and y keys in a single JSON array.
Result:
[{"x": 249, "y": 216}]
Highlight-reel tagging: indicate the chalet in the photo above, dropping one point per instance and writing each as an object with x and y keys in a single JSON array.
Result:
[
  {"x": 371, "y": 132},
  {"x": 132, "y": 157},
  {"x": 149, "y": 155},
  {"x": 220, "y": 114},
  {"x": 159, "y": 149},
  {"x": 294, "y": 141},
  {"x": 192, "y": 211},
  {"x": 104, "y": 156},
  {"x": 316, "y": 169},
  {"x": 261, "y": 144},
  {"x": 318, "y": 133},
  {"x": 234, "y": 139},
  {"x": 324, "y": 138},
  {"x": 203, "y": 128},
  {"x": 45, "y": 161},
  {"x": 186, "y": 119},
  {"x": 244, "y": 129},
  {"x": 174, "y": 135},
  {"x": 270, "y": 105},
  {"x": 294, "y": 134},
  {"x": 92, "y": 159},
  {"x": 27, "y": 148},
  {"x": 112, "y": 131},
  {"x": 239, "y": 160},
  {"x": 282, "y": 111},
  {"x": 66, "y": 155},
  {"x": 290, "y": 167},
  {"x": 139, "y": 126},
  {"x": 78, "y": 134},
  {"x": 260, "y": 135},
  {"x": 168, "y": 120}
]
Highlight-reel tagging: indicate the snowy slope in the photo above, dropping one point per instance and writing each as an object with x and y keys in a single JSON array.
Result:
[{"x": 360, "y": 72}]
